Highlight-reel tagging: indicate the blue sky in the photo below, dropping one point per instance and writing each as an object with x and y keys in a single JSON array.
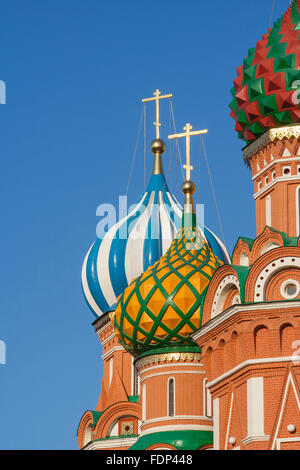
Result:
[{"x": 75, "y": 73}]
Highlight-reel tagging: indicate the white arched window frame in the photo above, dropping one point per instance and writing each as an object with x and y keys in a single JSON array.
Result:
[
  {"x": 268, "y": 211},
  {"x": 171, "y": 396}
]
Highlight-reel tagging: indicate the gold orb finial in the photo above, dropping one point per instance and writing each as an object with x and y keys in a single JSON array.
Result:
[
  {"x": 158, "y": 147},
  {"x": 188, "y": 187}
]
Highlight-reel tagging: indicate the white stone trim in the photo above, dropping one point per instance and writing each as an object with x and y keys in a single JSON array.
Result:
[
  {"x": 110, "y": 337},
  {"x": 229, "y": 421},
  {"x": 285, "y": 284},
  {"x": 216, "y": 427},
  {"x": 200, "y": 372},
  {"x": 172, "y": 418},
  {"x": 268, "y": 204},
  {"x": 251, "y": 362},
  {"x": 110, "y": 443},
  {"x": 250, "y": 439},
  {"x": 111, "y": 351},
  {"x": 255, "y": 407},
  {"x": 288, "y": 382},
  {"x": 230, "y": 312},
  {"x": 220, "y": 295},
  {"x": 276, "y": 180},
  {"x": 268, "y": 271},
  {"x": 177, "y": 427},
  {"x": 286, "y": 439},
  {"x": 286, "y": 160}
]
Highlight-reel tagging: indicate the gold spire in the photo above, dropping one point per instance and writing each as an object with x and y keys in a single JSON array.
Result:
[
  {"x": 156, "y": 98},
  {"x": 187, "y": 134}
]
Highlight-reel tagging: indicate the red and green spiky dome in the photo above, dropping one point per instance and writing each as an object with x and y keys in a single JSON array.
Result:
[{"x": 265, "y": 90}]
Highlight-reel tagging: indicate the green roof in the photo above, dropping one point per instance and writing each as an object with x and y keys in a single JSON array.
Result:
[
  {"x": 182, "y": 440},
  {"x": 242, "y": 272},
  {"x": 96, "y": 416}
]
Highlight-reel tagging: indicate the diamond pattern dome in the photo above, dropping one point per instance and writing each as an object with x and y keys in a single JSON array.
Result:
[
  {"x": 265, "y": 91},
  {"x": 162, "y": 307}
]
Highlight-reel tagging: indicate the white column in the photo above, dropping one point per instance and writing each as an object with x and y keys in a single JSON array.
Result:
[
  {"x": 255, "y": 407},
  {"x": 216, "y": 424}
]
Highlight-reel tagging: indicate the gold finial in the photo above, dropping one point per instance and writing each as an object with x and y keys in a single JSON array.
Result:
[
  {"x": 187, "y": 134},
  {"x": 156, "y": 98}
]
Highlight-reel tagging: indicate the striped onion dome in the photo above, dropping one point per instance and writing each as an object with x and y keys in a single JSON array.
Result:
[{"x": 134, "y": 243}]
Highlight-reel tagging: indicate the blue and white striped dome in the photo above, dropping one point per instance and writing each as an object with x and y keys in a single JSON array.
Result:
[{"x": 114, "y": 260}]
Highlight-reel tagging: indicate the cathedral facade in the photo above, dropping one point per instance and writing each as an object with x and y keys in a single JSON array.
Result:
[{"x": 202, "y": 351}]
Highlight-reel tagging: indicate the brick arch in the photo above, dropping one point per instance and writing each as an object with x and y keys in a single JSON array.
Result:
[
  {"x": 161, "y": 445},
  {"x": 86, "y": 421},
  {"x": 260, "y": 273},
  {"x": 114, "y": 412},
  {"x": 267, "y": 236},
  {"x": 240, "y": 248},
  {"x": 287, "y": 337},
  {"x": 215, "y": 289},
  {"x": 220, "y": 355},
  {"x": 273, "y": 288},
  {"x": 261, "y": 336}
]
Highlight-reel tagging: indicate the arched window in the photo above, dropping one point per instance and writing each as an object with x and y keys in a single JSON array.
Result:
[
  {"x": 171, "y": 397},
  {"x": 268, "y": 211}
]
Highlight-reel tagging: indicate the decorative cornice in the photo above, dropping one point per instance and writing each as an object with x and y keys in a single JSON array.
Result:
[
  {"x": 168, "y": 357},
  {"x": 270, "y": 136},
  {"x": 231, "y": 311},
  {"x": 101, "y": 321}
]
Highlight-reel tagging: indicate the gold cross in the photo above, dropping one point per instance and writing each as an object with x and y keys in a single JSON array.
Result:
[
  {"x": 187, "y": 134},
  {"x": 156, "y": 98}
]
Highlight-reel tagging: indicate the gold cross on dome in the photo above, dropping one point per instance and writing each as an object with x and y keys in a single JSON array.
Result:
[
  {"x": 157, "y": 96},
  {"x": 187, "y": 134}
]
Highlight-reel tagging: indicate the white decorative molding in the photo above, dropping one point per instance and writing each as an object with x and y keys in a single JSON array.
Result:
[
  {"x": 231, "y": 311},
  {"x": 216, "y": 407},
  {"x": 250, "y": 439},
  {"x": 271, "y": 135},
  {"x": 268, "y": 271},
  {"x": 110, "y": 443},
  {"x": 110, "y": 337},
  {"x": 177, "y": 427},
  {"x": 111, "y": 351},
  {"x": 250, "y": 362},
  {"x": 223, "y": 289},
  {"x": 289, "y": 382},
  {"x": 255, "y": 407},
  {"x": 276, "y": 180},
  {"x": 174, "y": 418},
  {"x": 229, "y": 422},
  {"x": 171, "y": 364},
  {"x": 286, "y": 439}
]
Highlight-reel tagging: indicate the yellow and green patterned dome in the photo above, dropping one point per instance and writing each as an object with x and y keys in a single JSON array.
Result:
[{"x": 162, "y": 307}]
